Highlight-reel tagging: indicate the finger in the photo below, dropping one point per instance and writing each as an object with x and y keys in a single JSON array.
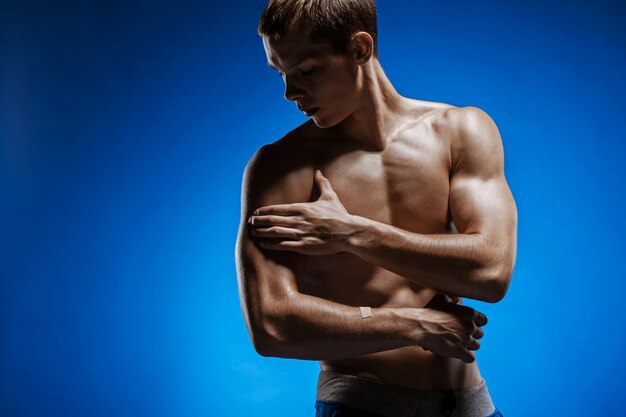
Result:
[
  {"x": 323, "y": 184},
  {"x": 273, "y": 221},
  {"x": 480, "y": 319},
  {"x": 284, "y": 245},
  {"x": 478, "y": 333},
  {"x": 473, "y": 344},
  {"x": 439, "y": 298},
  {"x": 277, "y": 232},
  {"x": 280, "y": 209},
  {"x": 453, "y": 299}
]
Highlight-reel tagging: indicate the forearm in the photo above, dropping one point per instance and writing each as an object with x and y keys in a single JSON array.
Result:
[
  {"x": 455, "y": 264},
  {"x": 305, "y": 327}
]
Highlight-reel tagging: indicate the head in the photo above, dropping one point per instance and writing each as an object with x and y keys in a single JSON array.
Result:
[{"x": 320, "y": 47}]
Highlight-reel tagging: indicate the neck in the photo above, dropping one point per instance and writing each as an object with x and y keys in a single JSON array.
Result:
[{"x": 376, "y": 117}]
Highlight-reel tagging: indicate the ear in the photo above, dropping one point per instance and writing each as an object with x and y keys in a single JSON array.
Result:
[{"x": 362, "y": 47}]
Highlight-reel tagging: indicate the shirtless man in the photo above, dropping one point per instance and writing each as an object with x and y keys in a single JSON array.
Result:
[{"x": 364, "y": 227}]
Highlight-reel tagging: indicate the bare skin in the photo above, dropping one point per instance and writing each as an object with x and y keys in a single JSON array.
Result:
[{"x": 374, "y": 227}]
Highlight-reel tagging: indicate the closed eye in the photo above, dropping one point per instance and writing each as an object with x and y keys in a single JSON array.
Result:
[{"x": 307, "y": 72}]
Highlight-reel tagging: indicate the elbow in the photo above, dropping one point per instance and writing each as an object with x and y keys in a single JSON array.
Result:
[
  {"x": 495, "y": 292},
  {"x": 259, "y": 338},
  {"x": 496, "y": 282},
  {"x": 268, "y": 335},
  {"x": 262, "y": 344}
]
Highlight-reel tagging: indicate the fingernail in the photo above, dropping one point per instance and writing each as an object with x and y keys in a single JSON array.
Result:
[
  {"x": 256, "y": 212},
  {"x": 250, "y": 220}
]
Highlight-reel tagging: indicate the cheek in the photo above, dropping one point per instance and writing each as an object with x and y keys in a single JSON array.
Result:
[
  {"x": 336, "y": 91},
  {"x": 338, "y": 82}
]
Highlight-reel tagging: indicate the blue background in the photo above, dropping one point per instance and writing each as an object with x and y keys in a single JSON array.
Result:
[{"x": 125, "y": 128}]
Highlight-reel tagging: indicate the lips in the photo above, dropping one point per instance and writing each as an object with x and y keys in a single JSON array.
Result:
[{"x": 310, "y": 111}]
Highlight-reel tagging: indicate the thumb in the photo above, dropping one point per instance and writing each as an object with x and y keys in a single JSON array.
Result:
[
  {"x": 440, "y": 297},
  {"x": 452, "y": 299},
  {"x": 437, "y": 300},
  {"x": 323, "y": 185}
]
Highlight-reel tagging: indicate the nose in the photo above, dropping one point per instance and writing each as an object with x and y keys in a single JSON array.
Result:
[{"x": 292, "y": 91}]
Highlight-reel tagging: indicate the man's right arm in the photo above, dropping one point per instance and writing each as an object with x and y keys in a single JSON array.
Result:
[{"x": 283, "y": 322}]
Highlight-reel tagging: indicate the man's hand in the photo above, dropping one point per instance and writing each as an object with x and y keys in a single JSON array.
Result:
[
  {"x": 451, "y": 329},
  {"x": 317, "y": 228}
]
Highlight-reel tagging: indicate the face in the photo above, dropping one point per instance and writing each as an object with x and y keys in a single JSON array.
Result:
[{"x": 321, "y": 82}]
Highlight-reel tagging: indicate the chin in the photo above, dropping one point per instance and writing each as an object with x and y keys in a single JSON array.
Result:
[
  {"x": 320, "y": 123},
  {"x": 325, "y": 122}
]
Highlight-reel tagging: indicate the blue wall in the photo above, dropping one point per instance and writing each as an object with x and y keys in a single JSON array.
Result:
[{"x": 125, "y": 128}]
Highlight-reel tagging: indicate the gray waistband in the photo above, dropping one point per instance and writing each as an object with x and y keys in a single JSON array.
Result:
[{"x": 389, "y": 401}]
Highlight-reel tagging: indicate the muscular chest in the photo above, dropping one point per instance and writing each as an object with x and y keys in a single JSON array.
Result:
[{"x": 407, "y": 185}]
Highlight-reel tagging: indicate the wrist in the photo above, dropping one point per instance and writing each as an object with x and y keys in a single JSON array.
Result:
[
  {"x": 357, "y": 227},
  {"x": 409, "y": 323}
]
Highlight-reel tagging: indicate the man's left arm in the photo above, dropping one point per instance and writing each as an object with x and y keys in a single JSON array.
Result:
[{"x": 478, "y": 261}]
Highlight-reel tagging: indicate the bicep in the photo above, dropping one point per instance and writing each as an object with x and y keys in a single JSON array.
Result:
[
  {"x": 482, "y": 206},
  {"x": 480, "y": 199},
  {"x": 264, "y": 277}
]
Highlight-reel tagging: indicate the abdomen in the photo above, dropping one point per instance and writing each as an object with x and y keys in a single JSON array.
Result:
[
  {"x": 346, "y": 279},
  {"x": 410, "y": 367}
]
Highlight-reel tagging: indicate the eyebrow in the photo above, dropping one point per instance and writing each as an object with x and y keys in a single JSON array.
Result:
[{"x": 294, "y": 65}]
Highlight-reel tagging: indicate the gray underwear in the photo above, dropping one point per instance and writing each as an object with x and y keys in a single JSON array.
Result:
[{"x": 385, "y": 400}]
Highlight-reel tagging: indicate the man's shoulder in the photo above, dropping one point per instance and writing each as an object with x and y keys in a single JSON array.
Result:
[
  {"x": 469, "y": 133},
  {"x": 470, "y": 119},
  {"x": 462, "y": 127},
  {"x": 298, "y": 140},
  {"x": 282, "y": 166},
  {"x": 474, "y": 138},
  {"x": 455, "y": 119},
  {"x": 472, "y": 127}
]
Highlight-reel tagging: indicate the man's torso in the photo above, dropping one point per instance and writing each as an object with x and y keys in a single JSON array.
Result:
[{"x": 405, "y": 185}]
